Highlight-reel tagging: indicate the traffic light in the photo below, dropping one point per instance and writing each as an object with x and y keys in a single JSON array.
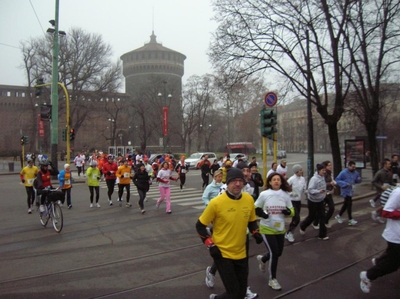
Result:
[
  {"x": 72, "y": 134},
  {"x": 64, "y": 133},
  {"x": 26, "y": 139},
  {"x": 268, "y": 122},
  {"x": 39, "y": 90},
  {"x": 22, "y": 140},
  {"x": 45, "y": 112}
]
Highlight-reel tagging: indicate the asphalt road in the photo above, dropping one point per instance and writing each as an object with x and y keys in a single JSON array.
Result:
[{"x": 115, "y": 252}]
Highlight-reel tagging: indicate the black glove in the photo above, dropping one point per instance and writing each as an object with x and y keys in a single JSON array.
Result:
[
  {"x": 286, "y": 211},
  {"x": 258, "y": 238},
  {"x": 108, "y": 173},
  {"x": 98, "y": 178},
  {"x": 215, "y": 252},
  {"x": 260, "y": 213},
  {"x": 23, "y": 181}
]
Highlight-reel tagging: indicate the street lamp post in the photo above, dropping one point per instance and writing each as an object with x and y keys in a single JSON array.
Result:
[
  {"x": 112, "y": 123},
  {"x": 165, "y": 115}
]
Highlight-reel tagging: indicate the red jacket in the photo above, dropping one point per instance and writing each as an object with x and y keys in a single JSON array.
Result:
[{"x": 109, "y": 170}]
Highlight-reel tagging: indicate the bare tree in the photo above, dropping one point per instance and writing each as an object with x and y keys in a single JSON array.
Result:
[
  {"x": 255, "y": 36},
  {"x": 84, "y": 65},
  {"x": 372, "y": 39}
]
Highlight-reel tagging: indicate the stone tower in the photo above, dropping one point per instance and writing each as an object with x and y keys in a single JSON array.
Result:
[{"x": 153, "y": 79}]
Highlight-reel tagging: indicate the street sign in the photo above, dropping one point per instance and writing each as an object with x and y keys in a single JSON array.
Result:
[
  {"x": 381, "y": 137},
  {"x": 270, "y": 99}
]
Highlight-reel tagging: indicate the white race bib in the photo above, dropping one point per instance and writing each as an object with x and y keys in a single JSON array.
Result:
[
  {"x": 30, "y": 181},
  {"x": 67, "y": 182},
  {"x": 277, "y": 222},
  {"x": 183, "y": 170},
  {"x": 94, "y": 176},
  {"x": 127, "y": 175}
]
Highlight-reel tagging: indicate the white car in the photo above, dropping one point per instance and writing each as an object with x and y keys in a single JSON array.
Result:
[
  {"x": 236, "y": 156},
  {"x": 195, "y": 158}
]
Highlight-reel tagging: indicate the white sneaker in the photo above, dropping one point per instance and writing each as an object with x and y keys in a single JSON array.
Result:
[
  {"x": 372, "y": 203},
  {"x": 328, "y": 225},
  {"x": 29, "y": 211},
  {"x": 365, "y": 283},
  {"x": 374, "y": 214},
  {"x": 145, "y": 199},
  {"x": 315, "y": 226},
  {"x": 213, "y": 296},
  {"x": 373, "y": 261},
  {"x": 250, "y": 294},
  {"x": 338, "y": 218},
  {"x": 98, "y": 205},
  {"x": 302, "y": 232},
  {"x": 352, "y": 222},
  {"x": 110, "y": 202},
  {"x": 210, "y": 278},
  {"x": 91, "y": 205},
  {"x": 274, "y": 284},
  {"x": 41, "y": 208},
  {"x": 261, "y": 264},
  {"x": 289, "y": 237}
]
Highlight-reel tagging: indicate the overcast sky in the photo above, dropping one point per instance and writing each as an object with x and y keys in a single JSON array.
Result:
[{"x": 182, "y": 25}]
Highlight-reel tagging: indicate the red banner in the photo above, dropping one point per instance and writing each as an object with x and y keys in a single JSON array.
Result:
[
  {"x": 40, "y": 126},
  {"x": 165, "y": 120}
]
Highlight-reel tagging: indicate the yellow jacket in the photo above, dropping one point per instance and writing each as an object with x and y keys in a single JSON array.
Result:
[{"x": 124, "y": 173}]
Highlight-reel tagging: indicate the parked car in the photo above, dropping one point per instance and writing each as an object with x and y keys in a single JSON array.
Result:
[
  {"x": 153, "y": 156},
  {"x": 195, "y": 158},
  {"x": 281, "y": 154},
  {"x": 236, "y": 156}
]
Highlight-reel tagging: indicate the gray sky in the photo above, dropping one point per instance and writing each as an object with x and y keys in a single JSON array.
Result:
[{"x": 182, "y": 25}]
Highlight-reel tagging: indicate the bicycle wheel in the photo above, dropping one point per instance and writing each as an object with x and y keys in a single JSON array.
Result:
[
  {"x": 57, "y": 217},
  {"x": 44, "y": 217}
]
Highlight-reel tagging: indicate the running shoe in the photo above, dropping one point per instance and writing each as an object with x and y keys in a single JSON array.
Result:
[
  {"x": 380, "y": 220},
  {"x": 69, "y": 206},
  {"x": 213, "y": 296},
  {"x": 128, "y": 205},
  {"x": 365, "y": 283},
  {"x": 374, "y": 214},
  {"x": 250, "y": 294},
  {"x": 327, "y": 225},
  {"x": 352, "y": 222},
  {"x": 261, "y": 264},
  {"x": 169, "y": 212},
  {"x": 29, "y": 211},
  {"x": 210, "y": 278},
  {"x": 274, "y": 284},
  {"x": 372, "y": 203},
  {"x": 302, "y": 232},
  {"x": 143, "y": 211},
  {"x": 373, "y": 261},
  {"x": 91, "y": 205},
  {"x": 338, "y": 218},
  {"x": 98, "y": 205},
  {"x": 157, "y": 205},
  {"x": 324, "y": 238},
  {"x": 315, "y": 226},
  {"x": 289, "y": 237},
  {"x": 110, "y": 202}
]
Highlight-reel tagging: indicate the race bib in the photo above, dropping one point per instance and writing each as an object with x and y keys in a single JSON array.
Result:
[
  {"x": 67, "y": 182},
  {"x": 30, "y": 181},
  {"x": 183, "y": 171},
  {"x": 277, "y": 222},
  {"x": 94, "y": 176},
  {"x": 127, "y": 175}
]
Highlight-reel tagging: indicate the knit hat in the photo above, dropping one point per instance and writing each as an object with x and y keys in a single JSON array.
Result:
[
  {"x": 66, "y": 166},
  {"x": 296, "y": 168},
  {"x": 320, "y": 166},
  {"x": 242, "y": 165},
  {"x": 234, "y": 173}
]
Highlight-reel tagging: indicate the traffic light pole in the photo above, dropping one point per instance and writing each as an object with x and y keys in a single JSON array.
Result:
[
  {"x": 54, "y": 91},
  {"x": 67, "y": 121}
]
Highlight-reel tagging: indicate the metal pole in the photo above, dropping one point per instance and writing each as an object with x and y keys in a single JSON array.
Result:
[
  {"x": 229, "y": 125},
  {"x": 54, "y": 92},
  {"x": 67, "y": 122},
  {"x": 166, "y": 132},
  {"x": 310, "y": 140}
]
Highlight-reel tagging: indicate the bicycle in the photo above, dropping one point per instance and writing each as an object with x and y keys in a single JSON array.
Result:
[{"x": 52, "y": 209}]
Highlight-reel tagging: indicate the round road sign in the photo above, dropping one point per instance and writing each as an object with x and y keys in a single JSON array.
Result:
[{"x": 270, "y": 99}]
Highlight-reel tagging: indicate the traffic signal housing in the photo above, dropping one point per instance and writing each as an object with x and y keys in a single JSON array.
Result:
[
  {"x": 39, "y": 89},
  {"x": 26, "y": 139},
  {"x": 22, "y": 140},
  {"x": 72, "y": 134},
  {"x": 45, "y": 112},
  {"x": 268, "y": 121},
  {"x": 64, "y": 135}
]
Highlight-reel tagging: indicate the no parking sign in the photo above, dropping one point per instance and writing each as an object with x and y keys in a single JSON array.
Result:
[{"x": 270, "y": 99}]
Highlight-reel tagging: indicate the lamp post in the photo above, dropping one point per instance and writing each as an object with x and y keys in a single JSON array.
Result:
[
  {"x": 54, "y": 86},
  {"x": 310, "y": 125},
  {"x": 165, "y": 115},
  {"x": 112, "y": 123},
  {"x": 228, "y": 109}
]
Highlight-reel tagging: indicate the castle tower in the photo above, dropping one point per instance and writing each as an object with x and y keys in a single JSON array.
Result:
[{"x": 149, "y": 71}]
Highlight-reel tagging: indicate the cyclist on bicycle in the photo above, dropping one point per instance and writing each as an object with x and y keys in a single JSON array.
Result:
[{"x": 43, "y": 179}]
